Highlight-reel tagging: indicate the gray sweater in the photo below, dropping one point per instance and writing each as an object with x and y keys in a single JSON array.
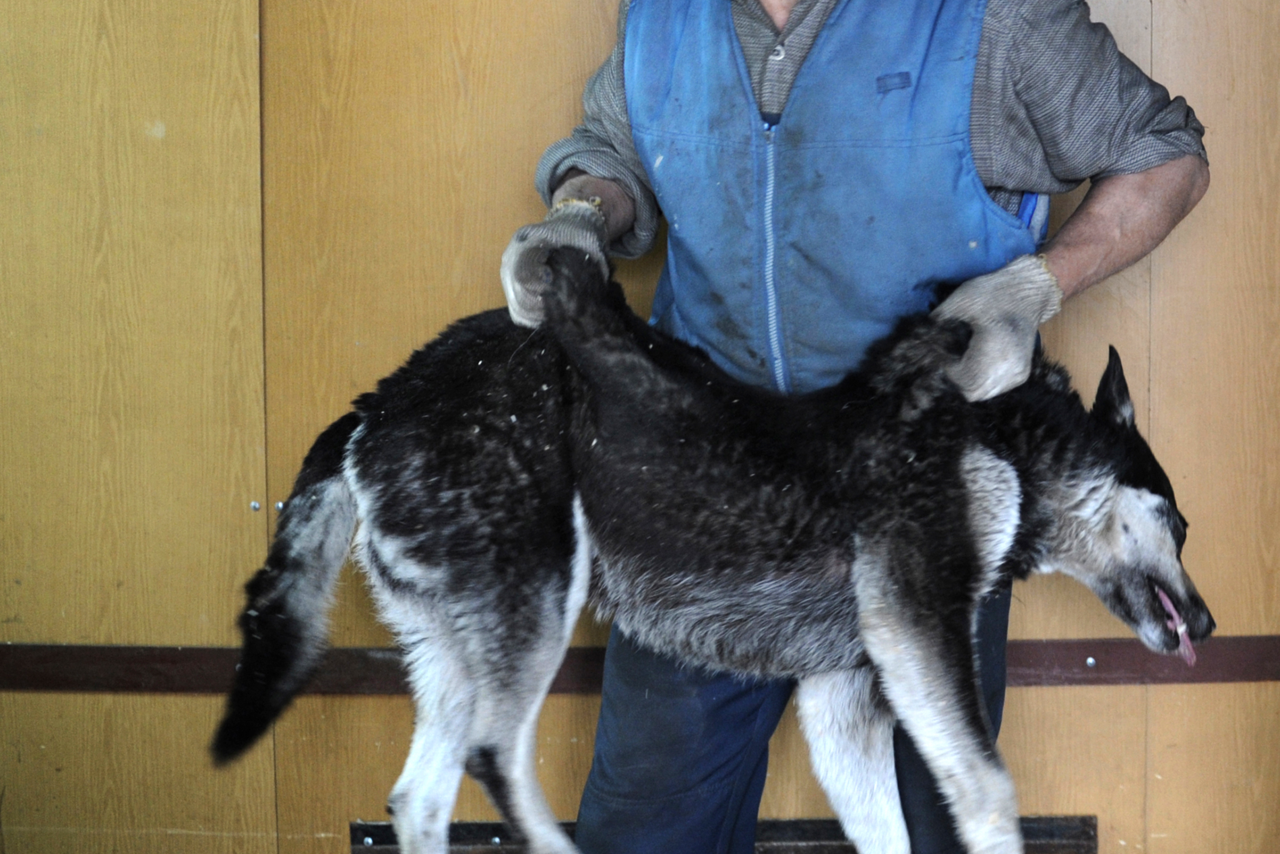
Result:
[{"x": 1054, "y": 102}]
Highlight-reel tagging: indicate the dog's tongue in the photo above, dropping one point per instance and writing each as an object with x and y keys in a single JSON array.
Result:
[{"x": 1185, "y": 649}]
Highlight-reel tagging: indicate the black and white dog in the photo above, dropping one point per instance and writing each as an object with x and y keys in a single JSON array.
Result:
[{"x": 502, "y": 479}]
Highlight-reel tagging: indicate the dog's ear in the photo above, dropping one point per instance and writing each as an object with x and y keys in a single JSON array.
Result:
[{"x": 1112, "y": 403}]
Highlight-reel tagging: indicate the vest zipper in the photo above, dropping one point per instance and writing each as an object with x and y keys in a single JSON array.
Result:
[{"x": 770, "y": 284}]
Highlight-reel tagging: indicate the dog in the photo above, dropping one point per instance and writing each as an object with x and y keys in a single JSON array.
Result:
[{"x": 503, "y": 478}]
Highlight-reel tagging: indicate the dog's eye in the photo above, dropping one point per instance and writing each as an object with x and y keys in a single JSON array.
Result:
[{"x": 1179, "y": 529}]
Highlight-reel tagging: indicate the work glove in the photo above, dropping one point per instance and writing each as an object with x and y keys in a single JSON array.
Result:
[
  {"x": 576, "y": 223},
  {"x": 1005, "y": 309}
]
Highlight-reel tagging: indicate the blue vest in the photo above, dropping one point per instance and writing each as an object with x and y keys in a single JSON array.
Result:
[{"x": 791, "y": 247}]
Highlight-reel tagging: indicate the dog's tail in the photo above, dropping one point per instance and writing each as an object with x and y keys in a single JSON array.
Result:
[
  {"x": 285, "y": 623},
  {"x": 581, "y": 297}
]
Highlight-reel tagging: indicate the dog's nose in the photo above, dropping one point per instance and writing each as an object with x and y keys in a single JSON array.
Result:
[{"x": 1200, "y": 623}]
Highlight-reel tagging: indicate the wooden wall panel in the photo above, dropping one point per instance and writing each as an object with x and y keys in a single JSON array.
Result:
[
  {"x": 1213, "y": 782},
  {"x": 1080, "y": 751},
  {"x": 130, "y": 299},
  {"x": 1117, "y": 313},
  {"x": 1072, "y": 751},
  {"x": 1216, "y": 366},
  {"x": 399, "y": 143},
  {"x": 96, "y": 773},
  {"x": 790, "y": 790},
  {"x": 338, "y": 757}
]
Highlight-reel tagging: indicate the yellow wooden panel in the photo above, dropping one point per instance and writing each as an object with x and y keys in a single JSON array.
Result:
[
  {"x": 1214, "y": 780},
  {"x": 1215, "y": 364},
  {"x": 399, "y": 143},
  {"x": 1080, "y": 751},
  {"x": 1115, "y": 312},
  {"x": 1072, "y": 751},
  {"x": 336, "y": 761},
  {"x": 130, "y": 299},
  {"x": 790, "y": 790},
  {"x": 102, "y": 773},
  {"x": 338, "y": 757}
]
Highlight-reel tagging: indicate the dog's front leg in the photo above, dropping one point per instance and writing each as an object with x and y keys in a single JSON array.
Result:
[
  {"x": 926, "y": 668},
  {"x": 849, "y": 728}
]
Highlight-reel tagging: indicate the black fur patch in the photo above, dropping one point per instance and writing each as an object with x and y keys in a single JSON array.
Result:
[{"x": 482, "y": 765}]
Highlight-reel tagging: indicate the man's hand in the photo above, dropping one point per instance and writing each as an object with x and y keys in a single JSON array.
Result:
[
  {"x": 587, "y": 213},
  {"x": 1005, "y": 309},
  {"x": 577, "y": 223},
  {"x": 1122, "y": 218}
]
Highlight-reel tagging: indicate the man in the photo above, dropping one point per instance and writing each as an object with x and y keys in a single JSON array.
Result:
[{"x": 823, "y": 166}]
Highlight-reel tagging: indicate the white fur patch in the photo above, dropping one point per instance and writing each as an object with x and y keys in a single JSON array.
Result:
[
  {"x": 583, "y": 556},
  {"x": 850, "y": 735},
  {"x": 995, "y": 501},
  {"x": 423, "y": 796},
  {"x": 925, "y": 697},
  {"x": 1139, "y": 530}
]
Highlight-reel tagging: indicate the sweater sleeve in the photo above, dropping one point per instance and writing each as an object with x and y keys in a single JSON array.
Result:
[
  {"x": 1068, "y": 105},
  {"x": 602, "y": 146}
]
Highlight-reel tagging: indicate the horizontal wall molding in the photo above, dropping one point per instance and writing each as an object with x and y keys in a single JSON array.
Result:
[{"x": 354, "y": 671}]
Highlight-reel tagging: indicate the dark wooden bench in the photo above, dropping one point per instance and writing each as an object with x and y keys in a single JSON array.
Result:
[{"x": 1071, "y": 834}]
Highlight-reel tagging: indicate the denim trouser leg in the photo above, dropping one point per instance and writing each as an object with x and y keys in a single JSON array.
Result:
[
  {"x": 929, "y": 821},
  {"x": 680, "y": 757}
]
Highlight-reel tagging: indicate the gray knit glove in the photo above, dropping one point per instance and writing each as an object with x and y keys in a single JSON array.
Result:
[
  {"x": 1005, "y": 309},
  {"x": 577, "y": 223}
]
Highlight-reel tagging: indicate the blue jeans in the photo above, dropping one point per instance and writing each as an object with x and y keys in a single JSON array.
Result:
[{"x": 681, "y": 754}]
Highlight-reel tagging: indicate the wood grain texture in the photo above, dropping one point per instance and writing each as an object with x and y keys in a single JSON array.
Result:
[
  {"x": 338, "y": 757},
  {"x": 1214, "y": 769},
  {"x": 790, "y": 789},
  {"x": 96, "y": 773},
  {"x": 399, "y": 142},
  {"x": 130, "y": 303},
  {"x": 1115, "y": 312},
  {"x": 1080, "y": 751},
  {"x": 1213, "y": 774},
  {"x": 394, "y": 136},
  {"x": 1216, "y": 366}
]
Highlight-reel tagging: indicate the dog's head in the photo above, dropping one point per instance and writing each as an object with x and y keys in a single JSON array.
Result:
[{"x": 1122, "y": 534}]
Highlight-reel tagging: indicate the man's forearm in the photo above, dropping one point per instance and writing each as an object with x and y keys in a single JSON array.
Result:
[
  {"x": 1123, "y": 218},
  {"x": 618, "y": 208}
]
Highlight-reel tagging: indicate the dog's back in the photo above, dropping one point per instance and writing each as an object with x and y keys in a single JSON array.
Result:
[{"x": 716, "y": 506}]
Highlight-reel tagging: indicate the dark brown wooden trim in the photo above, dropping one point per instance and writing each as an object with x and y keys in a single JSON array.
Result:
[
  {"x": 116, "y": 669},
  {"x": 1125, "y": 661},
  {"x": 348, "y": 671}
]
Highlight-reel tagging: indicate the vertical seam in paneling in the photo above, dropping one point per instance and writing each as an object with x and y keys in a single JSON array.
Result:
[
  {"x": 1151, "y": 367},
  {"x": 268, "y": 507},
  {"x": 1151, "y": 430},
  {"x": 1146, "y": 767},
  {"x": 1151, "y": 266},
  {"x": 275, "y": 785}
]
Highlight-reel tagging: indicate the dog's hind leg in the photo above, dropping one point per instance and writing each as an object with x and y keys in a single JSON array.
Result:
[
  {"x": 926, "y": 665},
  {"x": 849, "y": 728},
  {"x": 421, "y": 803},
  {"x": 443, "y": 690},
  {"x": 502, "y": 744},
  {"x": 502, "y": 758}
]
